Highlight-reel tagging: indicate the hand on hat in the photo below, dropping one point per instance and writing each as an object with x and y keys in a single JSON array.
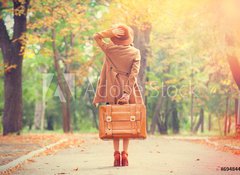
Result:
[{"x": 117, "y": 32}]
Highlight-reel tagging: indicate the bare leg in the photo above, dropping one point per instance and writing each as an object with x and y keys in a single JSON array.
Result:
[
  {"x": 125, "y": 145},
  {"x": 116, "y": 144}
]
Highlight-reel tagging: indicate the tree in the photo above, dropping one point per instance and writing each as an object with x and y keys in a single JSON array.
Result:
[
  {"x": 63, "y": 29},
  {"x": 175, "y": 120},
  {"x": 13, "y": 51}
]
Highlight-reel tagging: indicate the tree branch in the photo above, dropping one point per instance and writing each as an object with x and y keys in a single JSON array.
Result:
[
  {"x": 4, "y": 37},
  {"x": 20, "y": 18}
]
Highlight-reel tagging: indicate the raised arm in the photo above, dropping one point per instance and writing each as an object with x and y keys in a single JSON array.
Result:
[
  {"x": 98, "y": 37},
  {"x": 113, "y": 32}
]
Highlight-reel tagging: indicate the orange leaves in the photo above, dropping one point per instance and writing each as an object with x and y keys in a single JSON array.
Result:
[
  {"x": 4, "y": 3},
  {"x": 23, "y": 41},
  {"x": 1, "y": 69},
  {"x": 225, "y": 144},
  {"x": 7, "y": 68},
  {"x": 83, "y": 71}
]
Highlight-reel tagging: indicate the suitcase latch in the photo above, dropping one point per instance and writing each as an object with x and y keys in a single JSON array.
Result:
[
  {"x": 132, "y": 118},
  {"x": 108, "y": 118}
]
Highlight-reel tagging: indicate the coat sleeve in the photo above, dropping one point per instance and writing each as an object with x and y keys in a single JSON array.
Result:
[
  {"x": 132, "y": 79},
  {"x": 98, "y": 37}
]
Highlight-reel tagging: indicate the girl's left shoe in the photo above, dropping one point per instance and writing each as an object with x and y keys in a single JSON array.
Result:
[{"x": 124, "y": 158}]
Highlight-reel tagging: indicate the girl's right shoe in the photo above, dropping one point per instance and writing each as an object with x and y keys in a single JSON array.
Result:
[{"x": 117, "y": 161}]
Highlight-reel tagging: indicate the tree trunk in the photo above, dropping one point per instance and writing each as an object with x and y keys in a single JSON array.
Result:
[
  {"x": 164, "y": 119},
  {"x": 95, "y": 117},
  {"x": 200, "y": 122},
  {"x": 13, "y": 51},
  {"x": 141, "y": 41},
  {"x": 63, "y": 87},
  {"x": 157, "y": 111},
  {"x": 39, "y": 115},
  {"x": 229, "y": 119},
  {"x": 175, "y": 120},
  {"x": 237, "y": 116},
  {"x": 192, "y": 98},
  {"x": 202, "y": 116},
  {"x": 146, "y": 100},
  {"x": 219, "y": 125},
  {"x": 191, "y": 111},
  {"x": 40, "y": 106},
  {"x": 66, "y": 115},
  {"x": 50, "y": 123},
  {"x": 226, "y": 117},
  {"x": 209, "y": 122},
  {"x": 156, "y": 114},
  {"x": 235, "y": 69}
]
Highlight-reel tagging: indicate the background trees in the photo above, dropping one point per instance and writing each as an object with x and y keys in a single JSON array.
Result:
[{"x": 189, "y": 68}]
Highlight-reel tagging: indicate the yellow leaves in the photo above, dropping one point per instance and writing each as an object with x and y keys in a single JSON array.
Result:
[
  {"x": 230, "y": 10},
  {"x": 68, "y": 61},
  {"x": 20, "y": 10},
  {"x": 139, "y": 13},
  {"x": 226, "y": 82},
  {"x": 47, "y": 21},
  {"x": 213, "y": 90},
  {"x": 22, "y": 1},
  {"x": 83, "y": 71},
  {"x": 171, "y": 81},
  {"x": 46, "y": 52},
  {"x": 29, "y": 54},
  {"x": 64, "y": 32},
  {"x": 37, "y": 39}
]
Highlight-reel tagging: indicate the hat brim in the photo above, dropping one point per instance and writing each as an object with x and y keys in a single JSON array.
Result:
[{"x": 118, "y": 41}]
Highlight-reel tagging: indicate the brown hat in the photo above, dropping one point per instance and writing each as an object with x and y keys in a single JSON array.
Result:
[{"x": 125, "y": 39}]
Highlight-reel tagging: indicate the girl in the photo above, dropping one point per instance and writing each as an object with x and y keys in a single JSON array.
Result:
[{"x": 118, "y": 78}]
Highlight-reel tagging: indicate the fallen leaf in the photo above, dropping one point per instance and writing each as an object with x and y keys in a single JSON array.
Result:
[{"x": 76, "y": 169}]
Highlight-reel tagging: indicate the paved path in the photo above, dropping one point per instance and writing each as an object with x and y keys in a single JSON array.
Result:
[{"x": 153, "y": 156}]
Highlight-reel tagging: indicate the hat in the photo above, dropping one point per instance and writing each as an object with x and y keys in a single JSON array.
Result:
[{"x": 125, "y": 39}]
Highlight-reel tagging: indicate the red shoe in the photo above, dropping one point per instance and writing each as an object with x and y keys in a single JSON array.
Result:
[
  {"x": 117, "y": 158},
  {"x": 124, "y": 158}
]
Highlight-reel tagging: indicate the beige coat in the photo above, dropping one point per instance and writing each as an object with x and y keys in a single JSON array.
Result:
[{"x": 119, "y": 73}]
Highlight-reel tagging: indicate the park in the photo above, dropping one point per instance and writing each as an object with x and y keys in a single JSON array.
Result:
[{"x": 51, "y": 62}]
